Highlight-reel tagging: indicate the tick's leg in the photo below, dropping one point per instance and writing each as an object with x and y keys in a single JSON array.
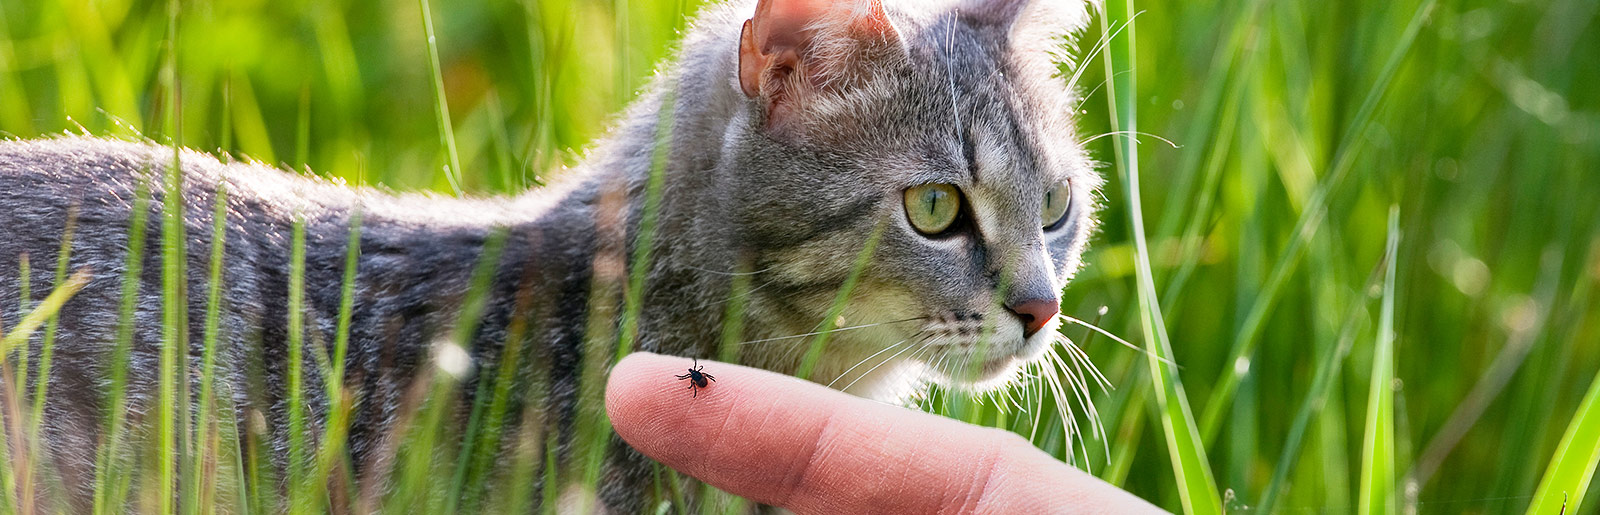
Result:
[
  {"x": 696, "y": 394},
  {"x": 685, "y": 376},
  {"x": 709, "y": 376}
]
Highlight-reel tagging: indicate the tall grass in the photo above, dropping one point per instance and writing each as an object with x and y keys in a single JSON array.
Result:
[{"x": 1298, "y": 125}]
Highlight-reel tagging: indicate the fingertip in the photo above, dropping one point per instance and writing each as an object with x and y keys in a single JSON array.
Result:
[{"x": 627, "y": 389}]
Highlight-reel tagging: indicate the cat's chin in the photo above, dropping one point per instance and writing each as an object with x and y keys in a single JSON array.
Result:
[
  {"x": 993, "y": 373},
  {"x": 989, "y": 375}
]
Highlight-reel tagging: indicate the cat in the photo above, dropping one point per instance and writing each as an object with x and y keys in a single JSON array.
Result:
[{"x": 794, "y": 137}]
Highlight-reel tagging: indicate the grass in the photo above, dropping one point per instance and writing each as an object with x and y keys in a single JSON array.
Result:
[
  {"x": 1280, "y": 373},
  {"x": 1378, "y": 446},
  {"x": 1197, "y": 487}
]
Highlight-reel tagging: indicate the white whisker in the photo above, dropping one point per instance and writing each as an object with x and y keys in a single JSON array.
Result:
[
  {"x": 1133, "y": 135},
  {"x": 864, "y": 360},
  {"x": 835, "y": 330},
  {"x": 875, "y": 367},
  {"x": 1118, "y": 339},
  {"x": 1105, "y": 39}
]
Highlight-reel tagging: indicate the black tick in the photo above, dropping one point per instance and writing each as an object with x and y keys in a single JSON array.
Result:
[{"x": 697, "y": 378}]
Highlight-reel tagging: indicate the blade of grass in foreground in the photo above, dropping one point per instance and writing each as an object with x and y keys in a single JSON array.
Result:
[
  {"x": 1572, "y": 468},
  {"x": 42, "y": 313},
  {"x": 1196, "y": 488},
  {"x": 417, "y": 486},
  {"x": 842, "y": 299},
  {"x": 41, "y": 385},
  {"x": 472, "y": 443},
  {"x": 447, "y": 134},
  {"x": 299, "y": 501},
  {"x": 336, "y": 427},
  {"x": 639, "y": 261},
  {"x": 174, "y": 331},
  {"x": 1377, "y": 462},
  {"x": 108, "y": 491},
  {"x": 45, "y": 311},
  {"x": 202, "y": 495},
  {"x": 174, "y": 294},
  {"x": 593, "y": 378}
]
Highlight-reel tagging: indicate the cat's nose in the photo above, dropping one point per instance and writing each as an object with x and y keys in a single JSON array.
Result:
[{"x": 1035, "y": 313}]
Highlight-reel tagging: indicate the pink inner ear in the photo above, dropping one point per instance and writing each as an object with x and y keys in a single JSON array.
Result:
[
  {"x": 792, "y": 23},
  {"x": 777, "y": 36}
]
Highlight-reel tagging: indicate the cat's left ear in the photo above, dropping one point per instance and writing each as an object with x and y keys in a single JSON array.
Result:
[
  {"x": 1034, "y": 26},
  {"x": 791, "y": 49}
]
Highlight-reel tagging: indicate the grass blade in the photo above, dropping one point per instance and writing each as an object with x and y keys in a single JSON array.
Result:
[
  {"x": 840, "y": 300},
  {"x": 1378, "y": 448},
  {"x": 1196, "y": 487},
  {"x": 447, "y": 133},
  {"x": 298, "y": 482},
  {"x": 201, "y": 495},
  {"x": 109, "y": 462},
  {"x": 42, "y": 313},
  {"x": 1572, "y": 467}
]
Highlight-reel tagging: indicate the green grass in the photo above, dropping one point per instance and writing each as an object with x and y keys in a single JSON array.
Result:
[
  {"x": 1196, "y": 485},
  {"x": 1461, "y": 376},
  {"x": 1378, "y": 447}
]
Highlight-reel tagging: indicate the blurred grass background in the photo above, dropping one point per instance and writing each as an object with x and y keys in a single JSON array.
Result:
[{"x": 1299, "y": 125}]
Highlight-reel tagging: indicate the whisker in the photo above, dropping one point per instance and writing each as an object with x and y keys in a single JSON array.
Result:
[
  {"x": 835, "y": 330},
  {"x": 1118, "y": 339},
  {"x": 1037, "y": 392},
  {"x": 729, "y": 274},
  {"x": 863, "y": 361},
  {"x": 1078, "y": 355},
  {"x": 1131, "y": 135},
  {"x": 1080, "y": 393},
  {"x": 875, "y": 367},
  {"x": 1069, "y": 423},
  {"x": 1105, "y": 39},
  {"x": 1085, "y": 97},
  {"x": 1079, "y": 364}
]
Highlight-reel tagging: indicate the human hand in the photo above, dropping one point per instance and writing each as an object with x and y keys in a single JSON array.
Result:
[{"x": 794, "y": 444}]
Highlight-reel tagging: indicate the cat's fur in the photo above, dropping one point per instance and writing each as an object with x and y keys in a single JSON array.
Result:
[{"x": 784, "y": 178}]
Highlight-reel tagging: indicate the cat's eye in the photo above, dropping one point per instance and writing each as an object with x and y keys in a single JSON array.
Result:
[
  {"x": 932, "y": 208},
  {"x": 1054, "y": 208}
]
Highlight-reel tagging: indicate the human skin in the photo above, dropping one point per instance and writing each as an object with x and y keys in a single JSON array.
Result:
[{"x": 786, "y": 442}]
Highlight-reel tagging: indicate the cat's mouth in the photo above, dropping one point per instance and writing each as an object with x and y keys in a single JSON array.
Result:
[{"x": 976, "y": 353}]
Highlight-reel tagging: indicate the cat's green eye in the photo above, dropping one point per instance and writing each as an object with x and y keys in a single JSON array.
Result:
[
  {"x": 932, "y": 208},
  {"x": 1054, "y": 208}
]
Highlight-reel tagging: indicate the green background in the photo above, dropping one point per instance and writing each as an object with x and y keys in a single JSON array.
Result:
[{"x": 1484, "y": 131}]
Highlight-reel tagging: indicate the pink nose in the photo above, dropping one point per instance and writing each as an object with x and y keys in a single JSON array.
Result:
[{"x": 1035, "y": 313}]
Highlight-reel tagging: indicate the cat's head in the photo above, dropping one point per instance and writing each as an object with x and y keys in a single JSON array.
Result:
[{"x": 943, "y": 128}]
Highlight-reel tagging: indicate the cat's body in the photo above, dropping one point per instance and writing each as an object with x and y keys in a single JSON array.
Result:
[{"x": 784, "y": 174}]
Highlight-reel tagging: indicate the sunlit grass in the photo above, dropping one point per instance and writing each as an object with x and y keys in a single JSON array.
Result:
[{"x": 1298, "y": 124}]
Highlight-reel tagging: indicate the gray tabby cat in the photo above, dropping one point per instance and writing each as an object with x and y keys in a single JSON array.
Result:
[{"x": 798, "y": 131}]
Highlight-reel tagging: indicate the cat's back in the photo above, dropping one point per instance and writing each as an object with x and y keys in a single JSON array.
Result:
[{"x": 42, "y": 176}]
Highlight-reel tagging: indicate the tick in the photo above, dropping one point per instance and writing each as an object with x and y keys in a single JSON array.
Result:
[{"x": 697, "y": 378}]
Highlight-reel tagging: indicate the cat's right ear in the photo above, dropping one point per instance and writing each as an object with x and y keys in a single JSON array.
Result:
[{"x": 792, "y": 49}]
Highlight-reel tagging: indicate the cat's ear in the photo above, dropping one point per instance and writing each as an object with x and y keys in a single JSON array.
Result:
[
  {"x": 1040, "y": 17},
  {"x": 1040, "y": 33},
  {"x": 791, "y": 48}
]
